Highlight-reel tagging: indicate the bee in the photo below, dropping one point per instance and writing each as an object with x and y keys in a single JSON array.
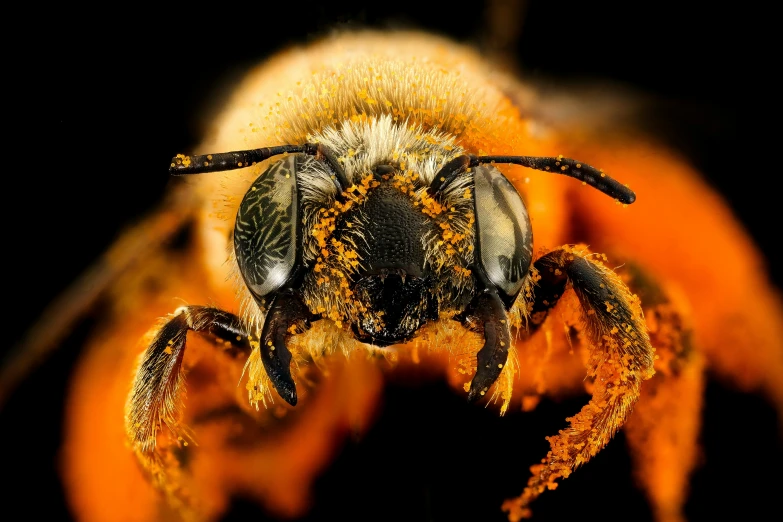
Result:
[{"x": 365, "y": 212}]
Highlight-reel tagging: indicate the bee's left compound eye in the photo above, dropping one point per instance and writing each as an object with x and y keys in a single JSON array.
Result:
[
  {"x": 266, "y": 235},
  {"x": 504, "y": 235}
]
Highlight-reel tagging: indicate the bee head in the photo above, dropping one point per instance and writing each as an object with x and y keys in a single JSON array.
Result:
[{"x": 396, "y": 291}]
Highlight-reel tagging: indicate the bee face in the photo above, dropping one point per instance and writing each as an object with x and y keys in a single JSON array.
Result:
[
  {"x": 380, "y": 254},
  {"x": 379, "y": 244}
]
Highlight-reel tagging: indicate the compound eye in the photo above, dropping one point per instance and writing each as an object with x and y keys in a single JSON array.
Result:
[
  {"x": 266, "y": 235},
  {"x": 504, "y": 235}
]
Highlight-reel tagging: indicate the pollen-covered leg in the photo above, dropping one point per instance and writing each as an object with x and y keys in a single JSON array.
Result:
[
  {"x": 287, "y": 315},
  {"x": 664, "y": 428},
  {"x": 620, "y": 358},
  {"x": 490, "y": 317},
  {"x": 156, "y": 395}
]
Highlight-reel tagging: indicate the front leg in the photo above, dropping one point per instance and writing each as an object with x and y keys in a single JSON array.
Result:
[
  {"x": 621, "y": 357},
  {"x": 156, "y": 396}
]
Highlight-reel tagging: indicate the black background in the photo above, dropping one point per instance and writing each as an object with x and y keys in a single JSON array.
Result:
[{"x": 105, "y": 99}]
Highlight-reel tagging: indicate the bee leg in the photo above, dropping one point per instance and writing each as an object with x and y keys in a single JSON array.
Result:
[
  {"x": 664, "y": 429},
  {"x": 620, "y": 358},
  {"x": 155, "y": 398},
  {"x": 488, "y": 314},
  {"x": 288, "y": 313}
]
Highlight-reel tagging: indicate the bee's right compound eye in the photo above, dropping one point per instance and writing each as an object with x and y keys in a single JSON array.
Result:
[
  {"x": 505, "y": 238},
  {"x": 266, "y": 233}
]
